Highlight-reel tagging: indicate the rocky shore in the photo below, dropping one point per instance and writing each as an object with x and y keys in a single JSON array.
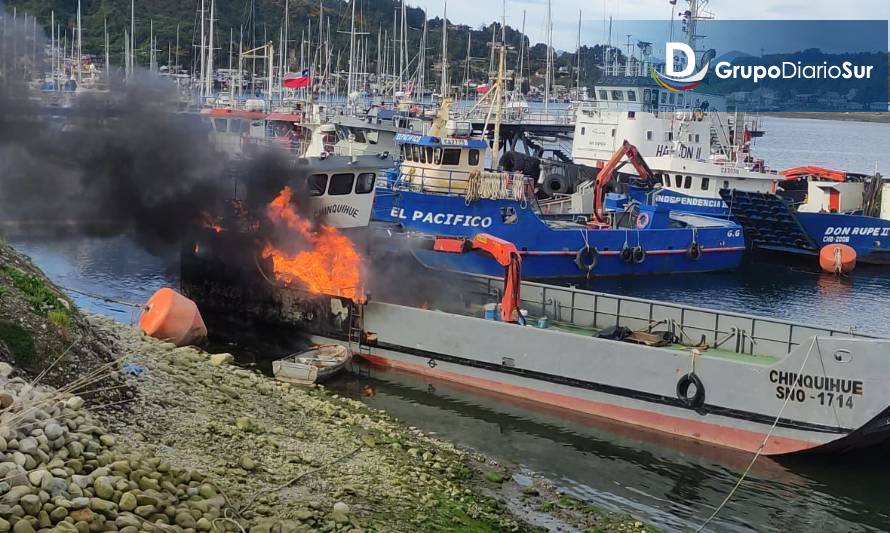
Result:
[{"x": 150, "y": 437}]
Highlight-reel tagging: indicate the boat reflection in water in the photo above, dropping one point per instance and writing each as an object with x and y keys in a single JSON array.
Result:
[{"x": 675, "y": 483}]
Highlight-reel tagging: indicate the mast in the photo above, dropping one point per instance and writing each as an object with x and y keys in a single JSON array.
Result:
[
  {"x": 52, "y": 46},
  {"x": 283, "y": 66},
  {"x": 79, "y": 57},
  {"x": 403, "y": 46},
  {"x": 467, "y": 71},
  {"x": 203, "y": 72},
  {"x": 107, "y": 54},
  {"x": 177, "y": 47},
  {"x": 499, "y": 97},
  {"x": 521, "y": 55},
  {"x": 444, "y": 89},
  {"x": 240, "y": 66},
  {"x": 132, "y": 36},
  {"x": 549, "y": 59},
  {"x": 209, "y": 68},
  {"x": 349, "y": 82},
  {"x": 578, "y": 73},
  {"x": 231, "y": 72}
]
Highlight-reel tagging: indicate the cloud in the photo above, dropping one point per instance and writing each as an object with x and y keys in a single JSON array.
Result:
[{"x": 565, "y": 13}]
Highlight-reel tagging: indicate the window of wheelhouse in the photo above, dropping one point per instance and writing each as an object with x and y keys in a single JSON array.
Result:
[
  {"x": 678, "y": 181},
  {"x": 451, "y": 156},
  {"x": 604, "y": 95},
  {"x": 422, "y": 155},
  {"x": 437, "y": 156},
  {"x": 631, "y": 96},
  {"x": 705, "y": 183},
  {"x": 317, "y": 184},
  {"x": 617, "y": 95},
  {"x": 365, "y": 183},
  {"x": 473, "y": 157},
  {"x": 429, "y": 154},
  {"x": 341, "y": 184},
  {"x": 688, "y": 183}
]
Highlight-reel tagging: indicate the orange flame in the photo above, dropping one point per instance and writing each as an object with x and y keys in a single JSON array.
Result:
[
  {"x": 211, "y": 222},
  {"x": 330, "y": 266}
]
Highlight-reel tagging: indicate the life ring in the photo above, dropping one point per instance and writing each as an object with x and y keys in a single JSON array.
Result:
[
  {"x": 626, "y": 254},
  {"x": 696, "y": 400},
  {"x": 642, "y": 220},
  {"x": 586, "y": 258},
  {"x": 638, "y": 254},
  {"x": 694, "y": 251}
]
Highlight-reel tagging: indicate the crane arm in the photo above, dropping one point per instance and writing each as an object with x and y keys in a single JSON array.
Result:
[
  {"x": 607, "y": 174},
  {"x": 506, "y": 254}
]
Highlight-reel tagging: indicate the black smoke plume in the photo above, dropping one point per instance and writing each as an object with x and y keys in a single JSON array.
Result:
[{"x": 105, "y": 163}]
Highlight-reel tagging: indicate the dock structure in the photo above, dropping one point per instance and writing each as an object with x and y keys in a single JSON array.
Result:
[{"x": 522, "y": 127}]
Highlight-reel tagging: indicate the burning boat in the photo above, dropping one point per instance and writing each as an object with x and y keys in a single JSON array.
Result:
[{"x": 729, "y": 379}]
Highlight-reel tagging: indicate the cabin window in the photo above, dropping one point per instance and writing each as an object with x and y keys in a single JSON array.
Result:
[
  {"x": 649, "y": 135},
  {"x": 583, "y": 130},
  {"x": 705, "y": 183},
  {"x": 697, "y": 137},
  {"x": 647, "y": 95},
  {"x": 617, "y": 95},
  {"x": 220, "y": 124},
  {"x": 429, "y": 154},
  {"x": 613, "y": 132},
  {"x": 359, "y": 136},
  {"x": 678, "y": 181},
  {"x": 317, "y": 184},
  {"x": 437, "y": 156},
  {"x": 422, "y": 155},
  {"x": 669, "y": 136},
  {"x": 631, "y": 96},
  {"x": 691, "y": 137},
  {"x": 451, "y": 156},
  {"x": 473, "y": 157},
  {"x": 726, "y": 184},
  {"x": 604, "y": 95},
  {"x": 631, "y": 114},
  {"x": 417, "y": 150},
  {"x": 672, "y": 99},
  {"x": 666, "y": 179},
  {"x": 688, "y": 183},
  {"x": 365, "y": 183},
  {"x": 341, "y": 184},
  {"x": 663, "y": 98}
]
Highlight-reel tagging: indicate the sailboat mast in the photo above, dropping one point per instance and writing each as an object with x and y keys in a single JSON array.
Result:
[
  {"x": 578, "y": 73},
  {"x": 79, "y": 57},
  {"x": 52, "y": 45},
  {"x": 107, "y": 54},
  {"x": 209, "y": 73},
  {"x": 549, "y": 59},
  {"x": 132, "y": 36},
  {"x": 444, "y": 89},
  {"x": 521, "y": 55},
  {"x": 349, "y": 79}
]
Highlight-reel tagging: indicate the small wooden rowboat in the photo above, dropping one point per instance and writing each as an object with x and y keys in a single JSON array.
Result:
[{"x": 312, "y": 366}]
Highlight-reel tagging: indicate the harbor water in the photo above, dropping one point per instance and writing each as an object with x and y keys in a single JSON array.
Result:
[{"x": 672, "y": 483}]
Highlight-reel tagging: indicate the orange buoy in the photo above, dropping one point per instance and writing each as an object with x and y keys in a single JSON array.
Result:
[
  {"x": 837, "y": 258},
  {"x": 172, "y": 317}
]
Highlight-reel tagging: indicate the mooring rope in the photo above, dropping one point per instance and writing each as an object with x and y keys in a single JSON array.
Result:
[
  {"x": 102, "y": 298},
  {"x": 762, "y": 444}
]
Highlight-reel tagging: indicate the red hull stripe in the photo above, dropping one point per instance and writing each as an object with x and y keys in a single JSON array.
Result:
[{"x": 730, "y": 437}]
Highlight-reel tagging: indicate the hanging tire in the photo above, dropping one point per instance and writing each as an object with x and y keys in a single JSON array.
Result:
[
  {"x": 694, "y": 251},
  {"x": 639, "y": 255},
  {"x": 586, "y": 259},
  {"x": 626, "y": 254},
  {"x": 696, "y": 400}
]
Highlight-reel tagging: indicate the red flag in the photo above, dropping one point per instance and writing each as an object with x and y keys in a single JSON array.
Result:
[{"x": 293, "y": 80}]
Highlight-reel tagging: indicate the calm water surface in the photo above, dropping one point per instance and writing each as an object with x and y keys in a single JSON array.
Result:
[{"x": 672, "y": 483}]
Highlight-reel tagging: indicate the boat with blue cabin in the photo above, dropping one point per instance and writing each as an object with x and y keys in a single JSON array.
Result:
[{"x": 441, "y": 188}]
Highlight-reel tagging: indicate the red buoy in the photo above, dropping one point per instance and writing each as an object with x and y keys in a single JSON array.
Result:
[
  {"x": 172, "y": 317},
  {"x": 837, "y": 258}
]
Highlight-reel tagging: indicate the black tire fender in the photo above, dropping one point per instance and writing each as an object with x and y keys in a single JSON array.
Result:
[
  {"x": 639, "y": 255},
  {"x": 626, "y": 254},
  {"x": 696, "y": 400},
  {"x": 694, "y": 251},
  {"x": 587, "y": 258}
]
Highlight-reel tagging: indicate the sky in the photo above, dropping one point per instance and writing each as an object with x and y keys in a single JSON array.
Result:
[{"x": 565, "y": 13}]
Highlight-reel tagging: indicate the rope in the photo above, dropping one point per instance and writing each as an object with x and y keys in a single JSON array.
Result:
[
  {"x": 102, "y": 298},
  {"x": 762, "y": 444},
  {"x": 495, "y": 186}
]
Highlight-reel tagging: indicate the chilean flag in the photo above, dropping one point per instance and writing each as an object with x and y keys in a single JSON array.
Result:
[{"x": 293, "y": 80}]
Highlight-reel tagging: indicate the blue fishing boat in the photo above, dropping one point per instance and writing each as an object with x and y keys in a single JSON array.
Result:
[
  {"x": 797, "y": 210},
  {"x": 441, "y": 188}
]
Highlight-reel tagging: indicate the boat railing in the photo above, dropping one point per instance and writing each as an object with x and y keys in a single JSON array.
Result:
[
  {"x": 726, "y": 330},
  {"x": 519, "y": 115},
  {"x": 467, "y": 183}
]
